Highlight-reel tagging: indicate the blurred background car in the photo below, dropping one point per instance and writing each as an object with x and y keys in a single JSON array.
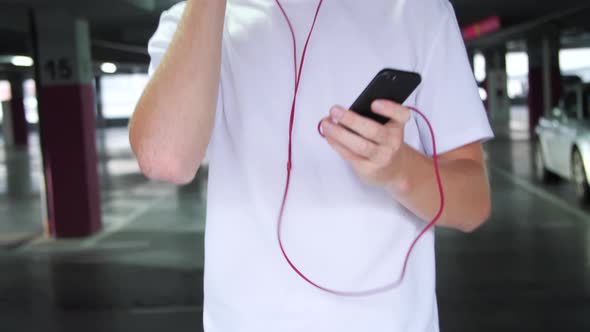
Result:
[{"x": 562, "y": 149}]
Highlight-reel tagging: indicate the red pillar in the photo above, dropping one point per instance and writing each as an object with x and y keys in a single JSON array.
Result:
[
  {"x": 18, "y": 120},
  {"x": 67, "y": 124}
]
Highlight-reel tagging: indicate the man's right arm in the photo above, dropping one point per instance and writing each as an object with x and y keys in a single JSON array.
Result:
[{"x": 173, "y": 121}]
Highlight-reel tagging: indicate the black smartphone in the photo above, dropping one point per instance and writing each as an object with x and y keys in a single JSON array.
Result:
[{"x": 390, "y": 84}]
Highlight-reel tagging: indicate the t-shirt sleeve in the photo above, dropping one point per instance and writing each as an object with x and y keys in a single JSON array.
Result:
[
  {"x": 449, "y": 94},
  {"x": 160, "y": 41}
]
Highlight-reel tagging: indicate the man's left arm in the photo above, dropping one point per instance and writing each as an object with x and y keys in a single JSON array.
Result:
[{"x": 465, "y": 186}]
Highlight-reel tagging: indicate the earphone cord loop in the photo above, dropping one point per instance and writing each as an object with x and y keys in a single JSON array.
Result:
[{"x": 298, "y": 74}]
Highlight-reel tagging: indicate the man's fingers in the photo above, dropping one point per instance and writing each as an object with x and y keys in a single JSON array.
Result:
[
  {"x": 399, "y": 114},
  {"x": 365, "y": 127},
  {"x": 344, "y": 152},
  {"x": 351, "y": 141}
]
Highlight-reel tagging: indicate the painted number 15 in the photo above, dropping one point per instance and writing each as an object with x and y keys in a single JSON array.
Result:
[{"x": 60, "y": 69}]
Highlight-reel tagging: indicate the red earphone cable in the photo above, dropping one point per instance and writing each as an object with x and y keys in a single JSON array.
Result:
[{"x": 298, "y": 73}]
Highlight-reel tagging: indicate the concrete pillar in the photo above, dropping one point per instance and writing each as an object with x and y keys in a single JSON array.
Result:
[
  {"x": 471, "y": 56},
  {"x": 7, "y": 125},
  {"x": 103, "y": 160},
  {"x": 18, "y": 173},
  {"x": 16, "y": 161},
  {"x": 544, "y": 77},
  {"x": 497, "y": 88},
  {"x": 67, "y": 123},
  {"x": 100, "y": 120},
  {"x": 15, "y": 127}
]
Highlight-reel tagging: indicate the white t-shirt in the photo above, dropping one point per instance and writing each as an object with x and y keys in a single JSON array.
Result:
[{"x": 342, "y": 233}]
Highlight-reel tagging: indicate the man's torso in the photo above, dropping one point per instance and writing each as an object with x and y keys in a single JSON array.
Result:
[{"x": 342, "y": 233}]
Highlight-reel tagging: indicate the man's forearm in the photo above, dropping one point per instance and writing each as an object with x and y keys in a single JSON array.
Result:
[
  {"x": 465, "y": 185},
  {"x": 172, "y": 123}
]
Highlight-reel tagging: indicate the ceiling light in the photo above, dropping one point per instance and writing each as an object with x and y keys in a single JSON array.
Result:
[
  {"x": 108, "y": 68},
  {"x": 22, "y": 61}
]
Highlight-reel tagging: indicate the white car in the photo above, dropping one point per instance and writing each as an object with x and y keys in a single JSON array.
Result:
[{"x": 562, "y": 148}]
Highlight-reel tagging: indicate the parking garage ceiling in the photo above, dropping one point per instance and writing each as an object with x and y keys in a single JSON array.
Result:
[
  {"x": 131, "y": 22},
  {"x": 511, "y": 11}
]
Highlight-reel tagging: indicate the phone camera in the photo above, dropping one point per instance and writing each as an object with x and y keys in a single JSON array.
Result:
[{"x": 390, "y": 76}]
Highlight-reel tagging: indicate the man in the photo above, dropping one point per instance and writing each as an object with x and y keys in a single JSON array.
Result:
[{"x": 222, "y": 83}]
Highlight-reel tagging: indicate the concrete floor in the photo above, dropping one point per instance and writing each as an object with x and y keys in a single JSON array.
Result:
[{"x": 528, "y": 269}]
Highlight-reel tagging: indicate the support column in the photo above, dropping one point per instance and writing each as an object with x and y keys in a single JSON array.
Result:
[
  {"x": 497, "y": 88},
  {"x": 101, "y": 123},
  {"x": 544, "y": 77},
  {"x": 16, "y": 133},
  {"x": 471, "y": 56},
  {"x": 67, "y": 123}
]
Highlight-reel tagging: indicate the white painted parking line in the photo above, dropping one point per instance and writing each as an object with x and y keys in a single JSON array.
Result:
[
  {"x": 123, "y": 222},
  {"x": 107, "y": 246},
  {"x": 121, "y": 245},
  {"x": 167, "y": 310},
  {"x": 541, "y": 193}
]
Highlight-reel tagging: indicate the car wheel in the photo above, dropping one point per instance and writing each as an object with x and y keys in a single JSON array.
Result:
[
  {"x": 579, "y": 177},
  {"x": 542, "y": 174}
]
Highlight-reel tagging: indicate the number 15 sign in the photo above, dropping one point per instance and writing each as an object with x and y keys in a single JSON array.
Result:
[{"x": 64, "y": 49}]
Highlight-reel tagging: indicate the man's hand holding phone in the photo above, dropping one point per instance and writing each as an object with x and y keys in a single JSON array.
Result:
[
  {"x": 371, "y": 134},
  {"x": 376, "y": 151}
]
